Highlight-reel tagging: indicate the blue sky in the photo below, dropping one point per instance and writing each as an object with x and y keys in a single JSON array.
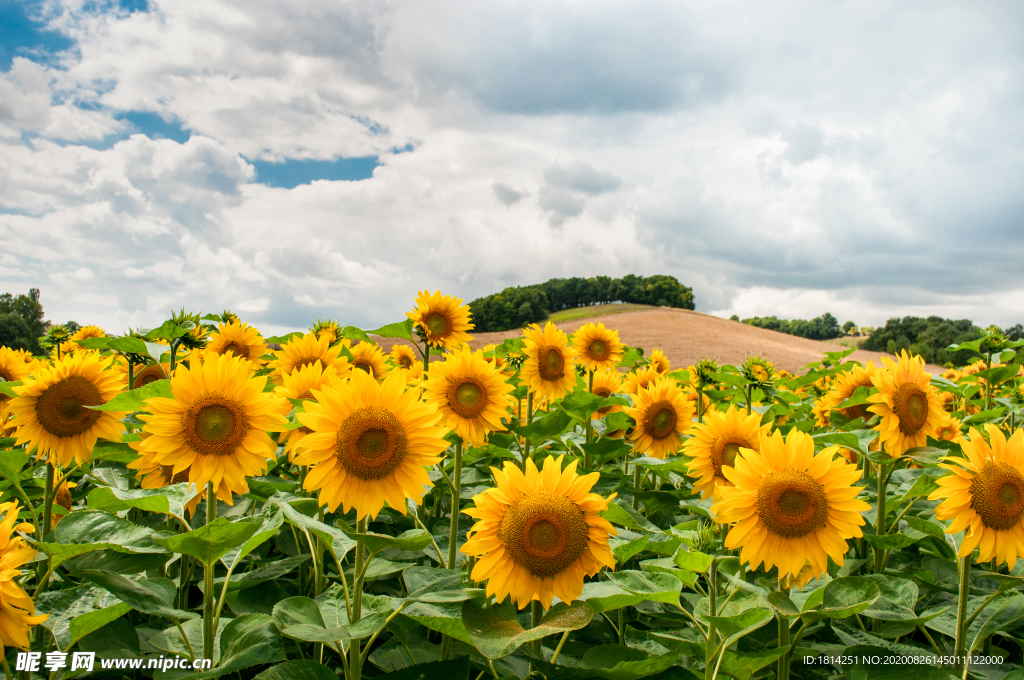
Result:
[{"x": 292, "y": 160}]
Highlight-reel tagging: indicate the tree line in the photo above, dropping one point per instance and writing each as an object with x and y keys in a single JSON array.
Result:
[
  {"x": 21, "y": 321},
  {"x": 824, "y": 327},
  {"x": 518, "y": 306}
]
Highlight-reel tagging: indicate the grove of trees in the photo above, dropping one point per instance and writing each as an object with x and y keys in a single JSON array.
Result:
[
  {"x": 21, "y": 321},
  {"x": 518, "y": 306},
  {"x": 824, "y": 327}
]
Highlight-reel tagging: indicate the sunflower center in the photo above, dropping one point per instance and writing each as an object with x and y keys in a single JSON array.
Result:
[
  {"x": 371, "y": 443},
  {"x": 544, "y": 532},
  {"x": 724, "y": 453},
  {"x": 660, "y": 420},
  {"x": 6, "y": 375},
  {"x": 405, "y": 361},
  {"x": 236, "y": 350},
  {"x": 149, "y": 374},
  {"x": 604, "y": 393},
  {"x": 997, "y": 494},
  {"x": 791, "y": 503},
  {"x": 910, "y": 404},
  {"x": 598, "y": 350},
  {"x": 363, "y": 365},
  {"x": 438, "y": 324},
  {"x": 551, "y": 363},
  {"x": 467, "y": 398},
  {"x": 305, "y": 361},
  {"x": 61, "y": 409},
  {"x": 215, "y": 425}
]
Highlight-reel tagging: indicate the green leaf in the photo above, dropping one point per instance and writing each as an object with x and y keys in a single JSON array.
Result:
[
  {"x": 627, "y": 549},
  {"x": 76, "y": 612},
  {"x": 11, "y": 464},
  {"x": 445, "y": 618},
  {"x": 656, "y": 586},
  {"x": 741, "y": 665},
  {"x": 210, "y": 542},
  {"x": 429, "y": 584},
  {"x": 781, "y": 603},
  {"x": 135, "y": 400},
  {"x": 615, "y": 662},
  {"x": 414, "y": 539},
  {"x": 693, "y": 560},
  {"x": 890, "y": 541},
  {"x": 353, "y": 333},
  {"x": 496, "y": 632},
  {"x": 546, "y": 427},
  {"x": 736, "y": 626},
  {"x": 335, "y": 539},
  {"x": 272, "y": 518},
  {"x": 102, "y": 530},
  {"x": 619, "y": 512},
  {"x": 141, "y": 595},
  {"x": 169, "y": 331},
  {"x": 859, "y": 397},
  {"x": 302, "y": 619},
  {"x": 169, "y": 500},
  {"x": 455, "y": 669},
  {"x": 298, "y": 669},
  {"x": 7, "y": 388},
  {"x": 399, "y": 329},
  {"x": 1002, "y": 613},
  {"x": 581, "y": 404},
  {"x": 845, "y": 597},
  {"x": 604, "y": 596},
  {"x": 250, "y": 640},
  {"x": 170, "y": 641}
]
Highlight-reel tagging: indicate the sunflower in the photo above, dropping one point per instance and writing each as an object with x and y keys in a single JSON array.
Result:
[
  {"x": 150, "y": 373},
  {"x": 538, "y": 534},
  {"x": 634, "y": 381},
  {"x": 758, "y": 371},
  {"x": 949, "y": 429},
  {"x": 842, "y": 388},
  {"x": 907, "y": 402},
  {"x": 13, "y": 368},
  {"x": 470, "y": 394},
  {"x": 153, "y": 475},
  {"x": 985, "y": 494},
  {"x": 328, "y": 328},
  {"x": 51, "y": 411},
  {"x": 303, "y": 351},
  {"x": 299, "y": 384},
  {"x": 548, "y": 367},
  {"x": 606, "y": 383},
  {"x": 369, "y": 358},
  {"x": 597, "y": 348},
  {"x": 403, "y": 356},
  {"x": 441, "y": 321},
  {"x": 17, "y": 610},
  {"x": 716, "y": 442},
  {"x": 790, "y": 506},
  {"x": 662, "y": 413},
  {"x": 659, "y": 362},
  {"x": 86, "y": 332},
  {"x": 216, "y": 425},
  {"x": 493, "y": 358},
  {"x": 239, "y": 340},
  {"x": 62, "y": 496},
  {"x": 370, "y": 444}
]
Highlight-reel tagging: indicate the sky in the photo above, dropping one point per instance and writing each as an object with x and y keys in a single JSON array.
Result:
[{"x": 297, "y": 160}]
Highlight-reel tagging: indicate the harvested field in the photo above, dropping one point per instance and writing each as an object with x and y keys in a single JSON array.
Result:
[{"x": 687, "y": 336}]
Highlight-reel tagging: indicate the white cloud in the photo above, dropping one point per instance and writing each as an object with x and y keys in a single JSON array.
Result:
[{"x": 862, "y": 159}]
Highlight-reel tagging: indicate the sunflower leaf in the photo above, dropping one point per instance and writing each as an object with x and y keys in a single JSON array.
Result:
[
  {"x": 399, "y": 329},
  {"x": 7, "y": 388},
  {"x": 496, "y": 632},
  {"x": 210, "y": 542},
  {"x": 656, "y": 586},
  {"x": 143, "y": 595},
  {"x": 135, "y": 400}
]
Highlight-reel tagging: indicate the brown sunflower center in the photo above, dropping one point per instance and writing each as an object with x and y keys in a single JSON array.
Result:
[
  {"x": 997, "y": 494},
  {"x": 405, "y": 361},
  {"x": 236, "y": 350},
  {"x": 438, "y": 324},
  {"x": 724, "y": 453},
  {"x": 371, "y": 443},
  {"x": 551, "y": 363},
  {"x": 215, "y": 425},
  {"x": 149, "y": 374},
  {"x": 467, "y": 397},
  {"x": 6, "y": 374},
  {"x": 305, "y": 361},
  {"x": 791, "y": 503},
  {"x": 910, "y": 404},
  {"x": 598, "y": 350},
  {"x": 364, "y": 365},
  {"x": 61, "y": 409},
  {"x": 660, "y": 420},
  {"x": 604, "y": 393},
  {"x": 170, "y": 478},
  {"x": 544, "y": 532}
]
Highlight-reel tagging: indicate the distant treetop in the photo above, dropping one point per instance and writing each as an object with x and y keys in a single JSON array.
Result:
[{"x": 518, "y": 306}]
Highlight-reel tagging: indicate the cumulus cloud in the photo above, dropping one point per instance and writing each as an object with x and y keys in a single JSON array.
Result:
[{"x": 862, "y": 159}]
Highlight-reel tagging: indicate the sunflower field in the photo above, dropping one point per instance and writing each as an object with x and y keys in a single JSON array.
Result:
[{"x": 199, "y": 501}]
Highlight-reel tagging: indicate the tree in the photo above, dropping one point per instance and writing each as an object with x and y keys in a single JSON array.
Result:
[
  {"x": 849, "y": 328},
  {"x": 21, "y": 321}
]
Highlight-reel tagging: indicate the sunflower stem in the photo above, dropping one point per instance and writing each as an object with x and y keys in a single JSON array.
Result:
[
  {"x": 622, "y": 628},
  {"x": 590, "y": 428},
  {"x": 961, "y": 615},
  {"x": 880, "y": 518},
  {"x": 783, "y": 665},
  {"x": 710, "y": 645},
  {"x": 526, "y": 441},
  {"x": 748, "y": 391},
  {"x": 700, "y": 404},
  {"x": 536, "y": 614},
  {"x": 636, "y": 487},
  {"x": 359, "y": 571},
  {"x": 558, "y": 649},
  {"x": 131, "y": 375},
  {"x": 453, "y": 536},
  {"x": 208, "y": 595}
]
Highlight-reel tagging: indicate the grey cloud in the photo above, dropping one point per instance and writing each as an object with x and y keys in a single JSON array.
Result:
[
  {"x": 579, "y": 176},
  {"x": 506, "y": 194},
  {"x": 562, "y": 203}
]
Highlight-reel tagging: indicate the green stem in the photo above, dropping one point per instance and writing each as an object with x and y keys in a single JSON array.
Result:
[
  {"x": 700, "y": 404},
  {"x": 880, "y": 518},
  {"x": 636, "y": 486},
  {"x": 558, "y": 649},
  {"x": 590, "y": 419},
  {"x": 710, "y": 644},
  {"x": 529, "y": 419},
  {"x": 208, "y": 597},
  {"x": 536, "y": 614},
  {"x": 782, "y": 672},
  {"x": 453, "y": 536},
  {"x": 622, "y": 627},
  {"x": 359, "y": 571},
  {"x": 748, "y": 391},
  {"x": 48, "y": 502},
  {"x": 961, "y": 614},
  {"x": 174, "y": 363},
  {"x": 987, "y": 602},
  {"x": 131, "y": 375},
  {"x": 188, "y": 644}
]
